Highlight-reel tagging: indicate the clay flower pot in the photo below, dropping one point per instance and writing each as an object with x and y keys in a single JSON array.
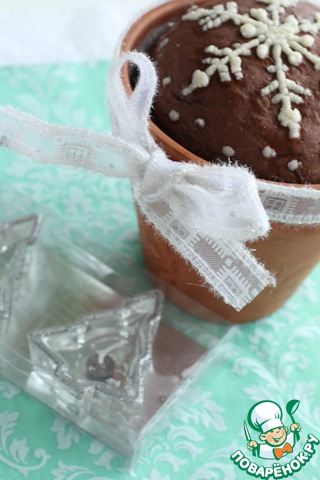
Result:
[{"x": 289, "y": 252}]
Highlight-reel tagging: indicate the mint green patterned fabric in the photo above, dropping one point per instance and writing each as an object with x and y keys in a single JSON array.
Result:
[{"x": 275, "y": 359}]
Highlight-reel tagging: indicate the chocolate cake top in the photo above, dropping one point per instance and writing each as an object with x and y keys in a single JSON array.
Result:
[{"x": 240, "y": 81}]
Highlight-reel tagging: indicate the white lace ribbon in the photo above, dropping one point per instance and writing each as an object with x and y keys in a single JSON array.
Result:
[{"x": 206, "y": 213}]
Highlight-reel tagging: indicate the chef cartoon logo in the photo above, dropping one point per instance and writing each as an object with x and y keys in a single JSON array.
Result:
[
  {"x": 273, "y": 436},
  {"x": 277, "y": 440}
]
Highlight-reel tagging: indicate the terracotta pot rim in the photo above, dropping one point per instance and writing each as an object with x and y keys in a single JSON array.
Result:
[{"x": 138, "y": 30}]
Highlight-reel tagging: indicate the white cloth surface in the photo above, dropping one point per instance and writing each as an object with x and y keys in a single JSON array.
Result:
[{"x": 68, "y": 34}]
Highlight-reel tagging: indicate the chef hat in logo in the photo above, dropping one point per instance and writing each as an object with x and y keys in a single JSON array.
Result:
[{"x": 265, "y": 416}]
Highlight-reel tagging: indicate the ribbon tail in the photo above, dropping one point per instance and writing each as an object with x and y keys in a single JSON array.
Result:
[
  {"x": 76, "y": 147},
  {"x": 227, "y": 267}
]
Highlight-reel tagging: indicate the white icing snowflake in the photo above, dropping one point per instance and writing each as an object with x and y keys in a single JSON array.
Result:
[{"x": 269, "y": 35}]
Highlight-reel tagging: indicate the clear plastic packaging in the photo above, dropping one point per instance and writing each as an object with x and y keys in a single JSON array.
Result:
[{"x": 90, "y": 335}]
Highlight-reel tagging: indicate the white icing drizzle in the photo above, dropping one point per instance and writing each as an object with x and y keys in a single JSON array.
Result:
[
  {"x": 294, "y": 165},
  {"x": 166, "y": 81},
  {"x": 200, "y": 122},
  {"x": 270, "y": 36},
  {"x": 228, "y": 151},
  {"x": 200, "y": 79},
  {"x": 174, "y": 116},
  {"x": 268, "y": 152}
]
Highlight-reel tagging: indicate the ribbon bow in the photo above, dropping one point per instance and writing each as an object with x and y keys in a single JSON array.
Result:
[
  {"x": 279, "y": 452},
  {"x": 206, "y": 213}
]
